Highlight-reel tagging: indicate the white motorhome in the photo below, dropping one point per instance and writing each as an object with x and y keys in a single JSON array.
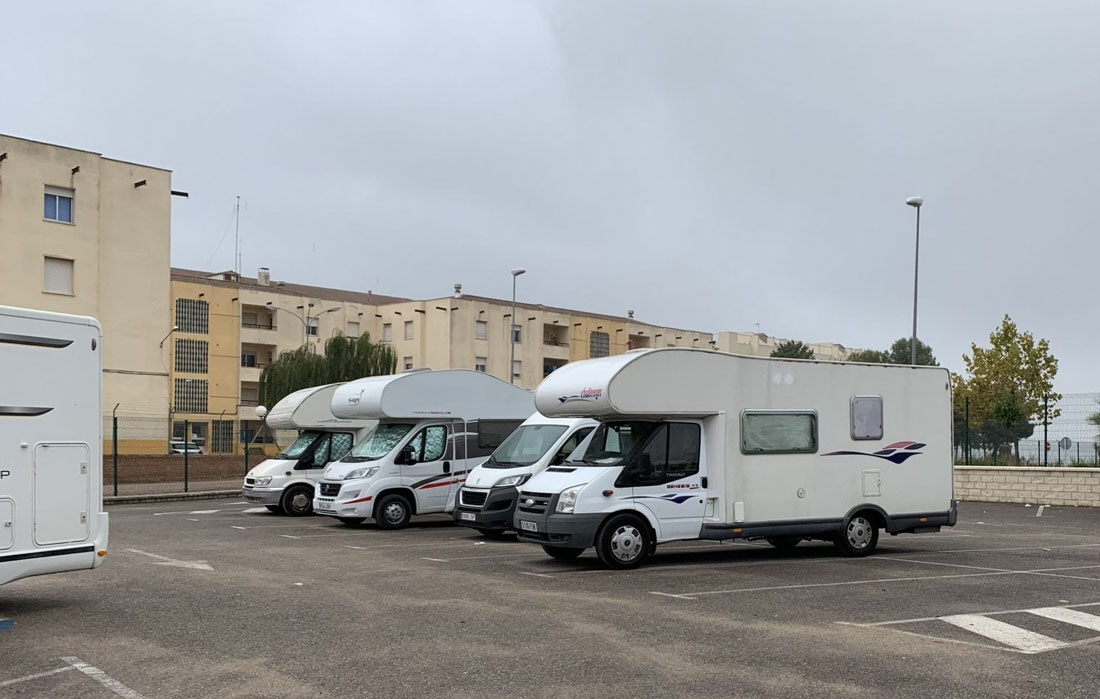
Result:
[
  {"x": 434, "y": 426},
  {"x": 487, "y": 501},
  {"x": 696, "y": 444},
  {"x": 51, "y": 456},
  {"x": 286, "y": 482}
]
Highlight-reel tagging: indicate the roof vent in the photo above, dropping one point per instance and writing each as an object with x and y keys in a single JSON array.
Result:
[
  {"x": 458, "y": 291},
  {"x": 630, "y": 314},
  {"x": 263, "y": 277}
]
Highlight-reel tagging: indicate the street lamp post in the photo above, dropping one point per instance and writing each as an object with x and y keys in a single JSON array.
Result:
[
  {"x": 304, "y": 321},
  {"x": 916, "y": 203},
  {"x": 512, "y": 331}
]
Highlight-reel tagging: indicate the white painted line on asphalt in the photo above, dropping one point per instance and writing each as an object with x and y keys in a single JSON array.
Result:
[
  {"x": 1069, "y": 616},
  {"x": 254, "y": 510},
  {"x": 770, "y": 588},
  {"x": 165, "y": 561},
  {"x": 669, "y": 594},
  {"x": 437, "y": 560},
  {"x": 915, "y": 620},
  {"x": 471, "y": 558},
  {"x": 35, "y": 676},
  {"x": 938, "y": 563},
  {"x": 232, "y": 527},
  {"x": 535, "y": 575},
  {"x": 189, "y": 519},
  {"x": 103, "y": 678},
  {"x": 1039, "y": 513},
  {"x": 999, "y": 631},
  {"x": 1012, "y": 548}
]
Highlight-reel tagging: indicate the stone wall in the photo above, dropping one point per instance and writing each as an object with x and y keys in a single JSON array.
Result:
[{"x": 1079, "y": 487}]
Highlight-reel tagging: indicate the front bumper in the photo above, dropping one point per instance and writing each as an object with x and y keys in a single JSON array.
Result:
[
  {"x": 495, "y": 514},
  {"x": 262, "y": 496},
  {"x": 566, "y": 531}
]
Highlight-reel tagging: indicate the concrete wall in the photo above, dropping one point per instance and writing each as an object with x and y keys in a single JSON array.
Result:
[{"x": 1079, "y": 487}]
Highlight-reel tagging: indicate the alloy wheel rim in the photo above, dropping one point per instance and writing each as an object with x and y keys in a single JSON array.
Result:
[
  {"x": 860, "y": 532},
  {"x": 626, "y": 543}
]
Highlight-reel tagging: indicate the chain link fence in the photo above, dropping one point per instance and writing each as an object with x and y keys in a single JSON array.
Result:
[{"x": 1070, "y": 440}]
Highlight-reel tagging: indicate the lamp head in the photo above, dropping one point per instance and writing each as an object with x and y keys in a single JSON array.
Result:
[
  {"x": 261, "y": 412},
  {"x": 518, "y": 271},
  {"x": 915, "y": 201}
]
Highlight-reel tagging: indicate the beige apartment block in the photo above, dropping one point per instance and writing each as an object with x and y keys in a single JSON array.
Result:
[
  {"x": 89, "y": 235},
  {"x": 762, "y": 345}
]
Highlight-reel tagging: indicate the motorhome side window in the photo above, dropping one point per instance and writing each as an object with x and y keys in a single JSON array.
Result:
[
  {"x": 341, "y": 445},
  {"x": 320, "y": 452},
  {"x": 670, "y": 454},
  {"x": 770, "y": 432},
  {"x": 430, "y": 443},
  {"x": 492, "y": 433},
  {"x": 571, "y": 444},
  {"x": 866, "y": 417}
]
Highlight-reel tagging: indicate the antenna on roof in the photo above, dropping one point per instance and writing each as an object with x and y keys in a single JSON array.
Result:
[
  {"x": 630, "y": 314},
  {"x": 237, "y": 235},
  {"x": 458, "y": 291}
]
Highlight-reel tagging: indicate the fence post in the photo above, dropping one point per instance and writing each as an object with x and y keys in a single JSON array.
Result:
[
  {"x": 1046, "y": 413},
  {"x": 186, "y": 450},
  {"x": 240, "y": 432},
  {"x": 966, "y": 460},
  {"x": 114, "y": 444}
]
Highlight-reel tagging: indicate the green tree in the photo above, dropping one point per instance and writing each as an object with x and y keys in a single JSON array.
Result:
[
  {"x": 901, "y": 353},
  {"x": 870, "y": 357},
  {"x": 1095, "y": 417},
  {"x": 344, "y": 359},
  {"x": 793, "y": 350},
  {"x": 1010, "y": 378}
]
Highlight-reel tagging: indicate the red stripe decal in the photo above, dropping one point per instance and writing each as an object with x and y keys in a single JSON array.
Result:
[
  {"x": 352, "y": 502},
  {"x": 436, "y": 485}
]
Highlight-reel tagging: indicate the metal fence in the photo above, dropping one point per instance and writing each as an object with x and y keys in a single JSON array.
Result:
[{"x": 1071, "y": 439}]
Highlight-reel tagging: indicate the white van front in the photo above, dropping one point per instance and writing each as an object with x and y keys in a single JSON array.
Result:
[
  {"x": 487, "y": 501},
  {"x": 285, "y": 483}
]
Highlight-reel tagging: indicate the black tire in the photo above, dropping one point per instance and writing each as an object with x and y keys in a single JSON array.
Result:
[
  {"x": 624, "y": 542},
  {"x": 351, "y": 521},
  {"x": 784, "y": 543},
  {"x": 274, "y": 508},
  {"x": 392, "y": 511},
  {"x": 561, "y": 553},
  {"x": 297, "y": 501},
  {"x": 859, "y": 536},
  {"x": 493, "y": 533}
]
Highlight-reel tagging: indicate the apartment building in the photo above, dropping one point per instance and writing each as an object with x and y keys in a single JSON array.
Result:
[
  {"x": 762, "y": 345},
  {"x": 89, "y": 235}
]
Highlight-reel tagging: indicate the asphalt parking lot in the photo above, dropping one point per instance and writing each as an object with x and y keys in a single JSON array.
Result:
[{"x": 222, "y": 599}]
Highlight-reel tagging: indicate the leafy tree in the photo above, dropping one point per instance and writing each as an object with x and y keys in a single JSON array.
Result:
[
  {"x": 1008, "y": 380},
  {"x": 793, "y": 350},
  {"x": 1095, "y": 417},
  {"x": 344, "y": 359},
  {"x": 870, "y": 357},
  {"x": 901, "y": 353}
]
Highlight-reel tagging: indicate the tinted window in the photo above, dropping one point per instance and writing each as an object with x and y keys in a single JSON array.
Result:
[
  {"x": 572, "y": 443},
  {"x": 778, "y": 433},
  {"x": 670, "y": 454},
  {"x": 492, "y": 433}
]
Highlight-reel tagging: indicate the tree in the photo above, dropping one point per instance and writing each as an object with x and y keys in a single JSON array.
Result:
[
  {"x": 1009, "y": 379},
  {"x": 901, "y": 353},
  {"x": 344, "y": 359},
  {"x": 1095, "y": 417},
  {"x": 793, "y": 350},
  {"x": 870, "y": 357}
]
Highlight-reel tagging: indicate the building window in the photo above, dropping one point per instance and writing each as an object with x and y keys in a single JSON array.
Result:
[
  {"x": 190, "y": 396},
  {"x": 221, "y": 437},
  {"x": 599, "y": 344},
  {"x": 407, "y": 363},
  {"x": 481, "y": 330},
  {"x": 250, "y": 395},
  {"x": 57, "y": 276},
  {"x": 193, "y": 316},
  {"x": 517, "y": 369},
  {"x": 387, "y": 332},
  {"x": 192, "y": 356},
  {"x": 353, "y": 328},
  {"x": 187, "y": 432},
  {"x": 517, "y": 333},
  {"x": 481, "y": 364},
  {"x": 313, "y": 327},
  {"x": 408, "y": 330},
  {"x": 778, "y": 432},
  {"x": 249, "y": 359},
  {"x": 59, "y": 205}
]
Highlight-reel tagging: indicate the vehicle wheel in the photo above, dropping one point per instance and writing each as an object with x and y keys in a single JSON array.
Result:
[
  {"x": 351, "y": 521},
  {"x": 493, "y": 533},
  {"x": 784, "y": 543},
  {"x": 298, "y": 501},
  {"x": 860, "y": 536},
  {"x": 392, "y": 512},
  {"x": 623, "y": 542},
  {"x": 274, "y": 508},
  {"x": 561, "y": 553}
]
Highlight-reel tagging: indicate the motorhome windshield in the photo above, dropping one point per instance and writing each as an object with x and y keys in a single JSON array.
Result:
[
  {"x": 381, "y": 442},
  {"x": 525, "y": 446},
  {"x": 614, "y": 442},
  {"x": 296, "y": 450}
]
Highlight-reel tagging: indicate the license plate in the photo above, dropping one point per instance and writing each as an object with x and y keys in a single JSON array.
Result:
[
  {"x": 467, "y": 516},
  {"x": 528, "y": 526}
]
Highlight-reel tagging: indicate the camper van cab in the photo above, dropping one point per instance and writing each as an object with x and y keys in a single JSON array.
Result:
[
  {"x": 434, "y": 426},
  {"x": 51, "y": 456},
  {"x": 696, "y": 444},
  {"x": 285, "y": 482},
  {"x": 487, "y": 501}
]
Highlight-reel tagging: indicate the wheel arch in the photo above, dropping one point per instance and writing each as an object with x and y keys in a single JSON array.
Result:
[
  {"x": 403, "y": 491},
  {"x": 642, "y": 513},
  {"x": 880, "y": 518}
]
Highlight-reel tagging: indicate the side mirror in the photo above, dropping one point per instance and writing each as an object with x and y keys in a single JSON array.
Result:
[{"x": 408, "y": 455}]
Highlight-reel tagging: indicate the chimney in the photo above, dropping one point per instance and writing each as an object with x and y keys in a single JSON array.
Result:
[
  {"x": 458, "y": 291},
  {"x": 630, "y": 314},
  {"x": 263, "y": 277}
]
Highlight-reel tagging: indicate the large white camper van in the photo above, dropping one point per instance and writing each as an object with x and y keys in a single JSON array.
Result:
[
  {"x": 487, "y": 502},
  {"x": 696, "y": 444},
  {"x": 51, "y": 456},
  {"x": 434, "y": 427},
  {"x": 285, "y": 483}
]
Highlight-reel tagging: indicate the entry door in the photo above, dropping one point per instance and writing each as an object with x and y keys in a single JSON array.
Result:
[
  {"x": 430, "y": 476},
  {"x": 666, "y": 477},
  {"x": 462, "y": 453},
  {"x": 61, "y": 484}
]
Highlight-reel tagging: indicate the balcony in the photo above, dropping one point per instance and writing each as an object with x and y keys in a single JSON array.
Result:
[
  {"x": 251, "y": 374},
  {"x": 555, "y": 341}
]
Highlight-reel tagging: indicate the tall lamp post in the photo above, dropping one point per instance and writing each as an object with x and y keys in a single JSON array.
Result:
[
  {"x": 308, "y": 317},
  {"x": 512, "y": 331},
  {"x": 916, "y": 203}
]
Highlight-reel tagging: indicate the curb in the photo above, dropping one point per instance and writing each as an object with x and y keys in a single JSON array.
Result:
[{"x": 170, "y": 497}]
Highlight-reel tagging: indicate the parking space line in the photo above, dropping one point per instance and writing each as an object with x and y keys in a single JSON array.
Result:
[
  {"x": 933, "y": 618},
  {"x": 471, "y": 558},
  {"x": 999, "y": 631},
  {"x": 103, "y": 678},
  {"x": 1069, "y": 616},
  {"x": 939, "y": 563},
  {"x": 873, "y": 581},
  {"x": 35, "y": 676}
]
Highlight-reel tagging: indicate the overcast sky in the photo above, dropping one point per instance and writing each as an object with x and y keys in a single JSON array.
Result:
[{"x": 711, "y": 165}]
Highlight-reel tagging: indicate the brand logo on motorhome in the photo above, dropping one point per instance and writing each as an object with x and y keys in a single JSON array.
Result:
[
  {"x": 587, "y": 395},
  {"x": 354, "y": 400},
  {"x": 896, "y": 452}
]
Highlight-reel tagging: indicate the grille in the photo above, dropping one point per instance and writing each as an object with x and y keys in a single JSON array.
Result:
[
  {"x": 250, "y": 481},
  {"x": 540, "y": 505},
  {"x": 472, "y": 498},
  {"x": 330, "y": 490}
]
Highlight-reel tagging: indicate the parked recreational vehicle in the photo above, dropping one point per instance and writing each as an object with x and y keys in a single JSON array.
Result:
[
  {"x": 51, "y": 457},
  {"x": 487, "y": 502},
  {"x": 434, "y": 427},
  {"x": 695, "y": 444},
  {"x": 285, "y": 483}
]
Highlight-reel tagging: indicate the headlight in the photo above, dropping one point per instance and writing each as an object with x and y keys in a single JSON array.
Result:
[
  {"x": 568, "y": 500},
  {"x": 263, "y": 481},
  {"x": 361, "y": 473},
  {"x": 511, "y": 480}
]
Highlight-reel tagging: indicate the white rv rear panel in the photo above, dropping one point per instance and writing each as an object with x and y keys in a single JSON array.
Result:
[
  {"x": 450, "y": 393},
  {"x": 310, "y": 408}
]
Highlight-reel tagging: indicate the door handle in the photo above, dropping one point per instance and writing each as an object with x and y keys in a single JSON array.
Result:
[
  {"x": 703, "y": 482},
  {"x": 446, "y": 467}
]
